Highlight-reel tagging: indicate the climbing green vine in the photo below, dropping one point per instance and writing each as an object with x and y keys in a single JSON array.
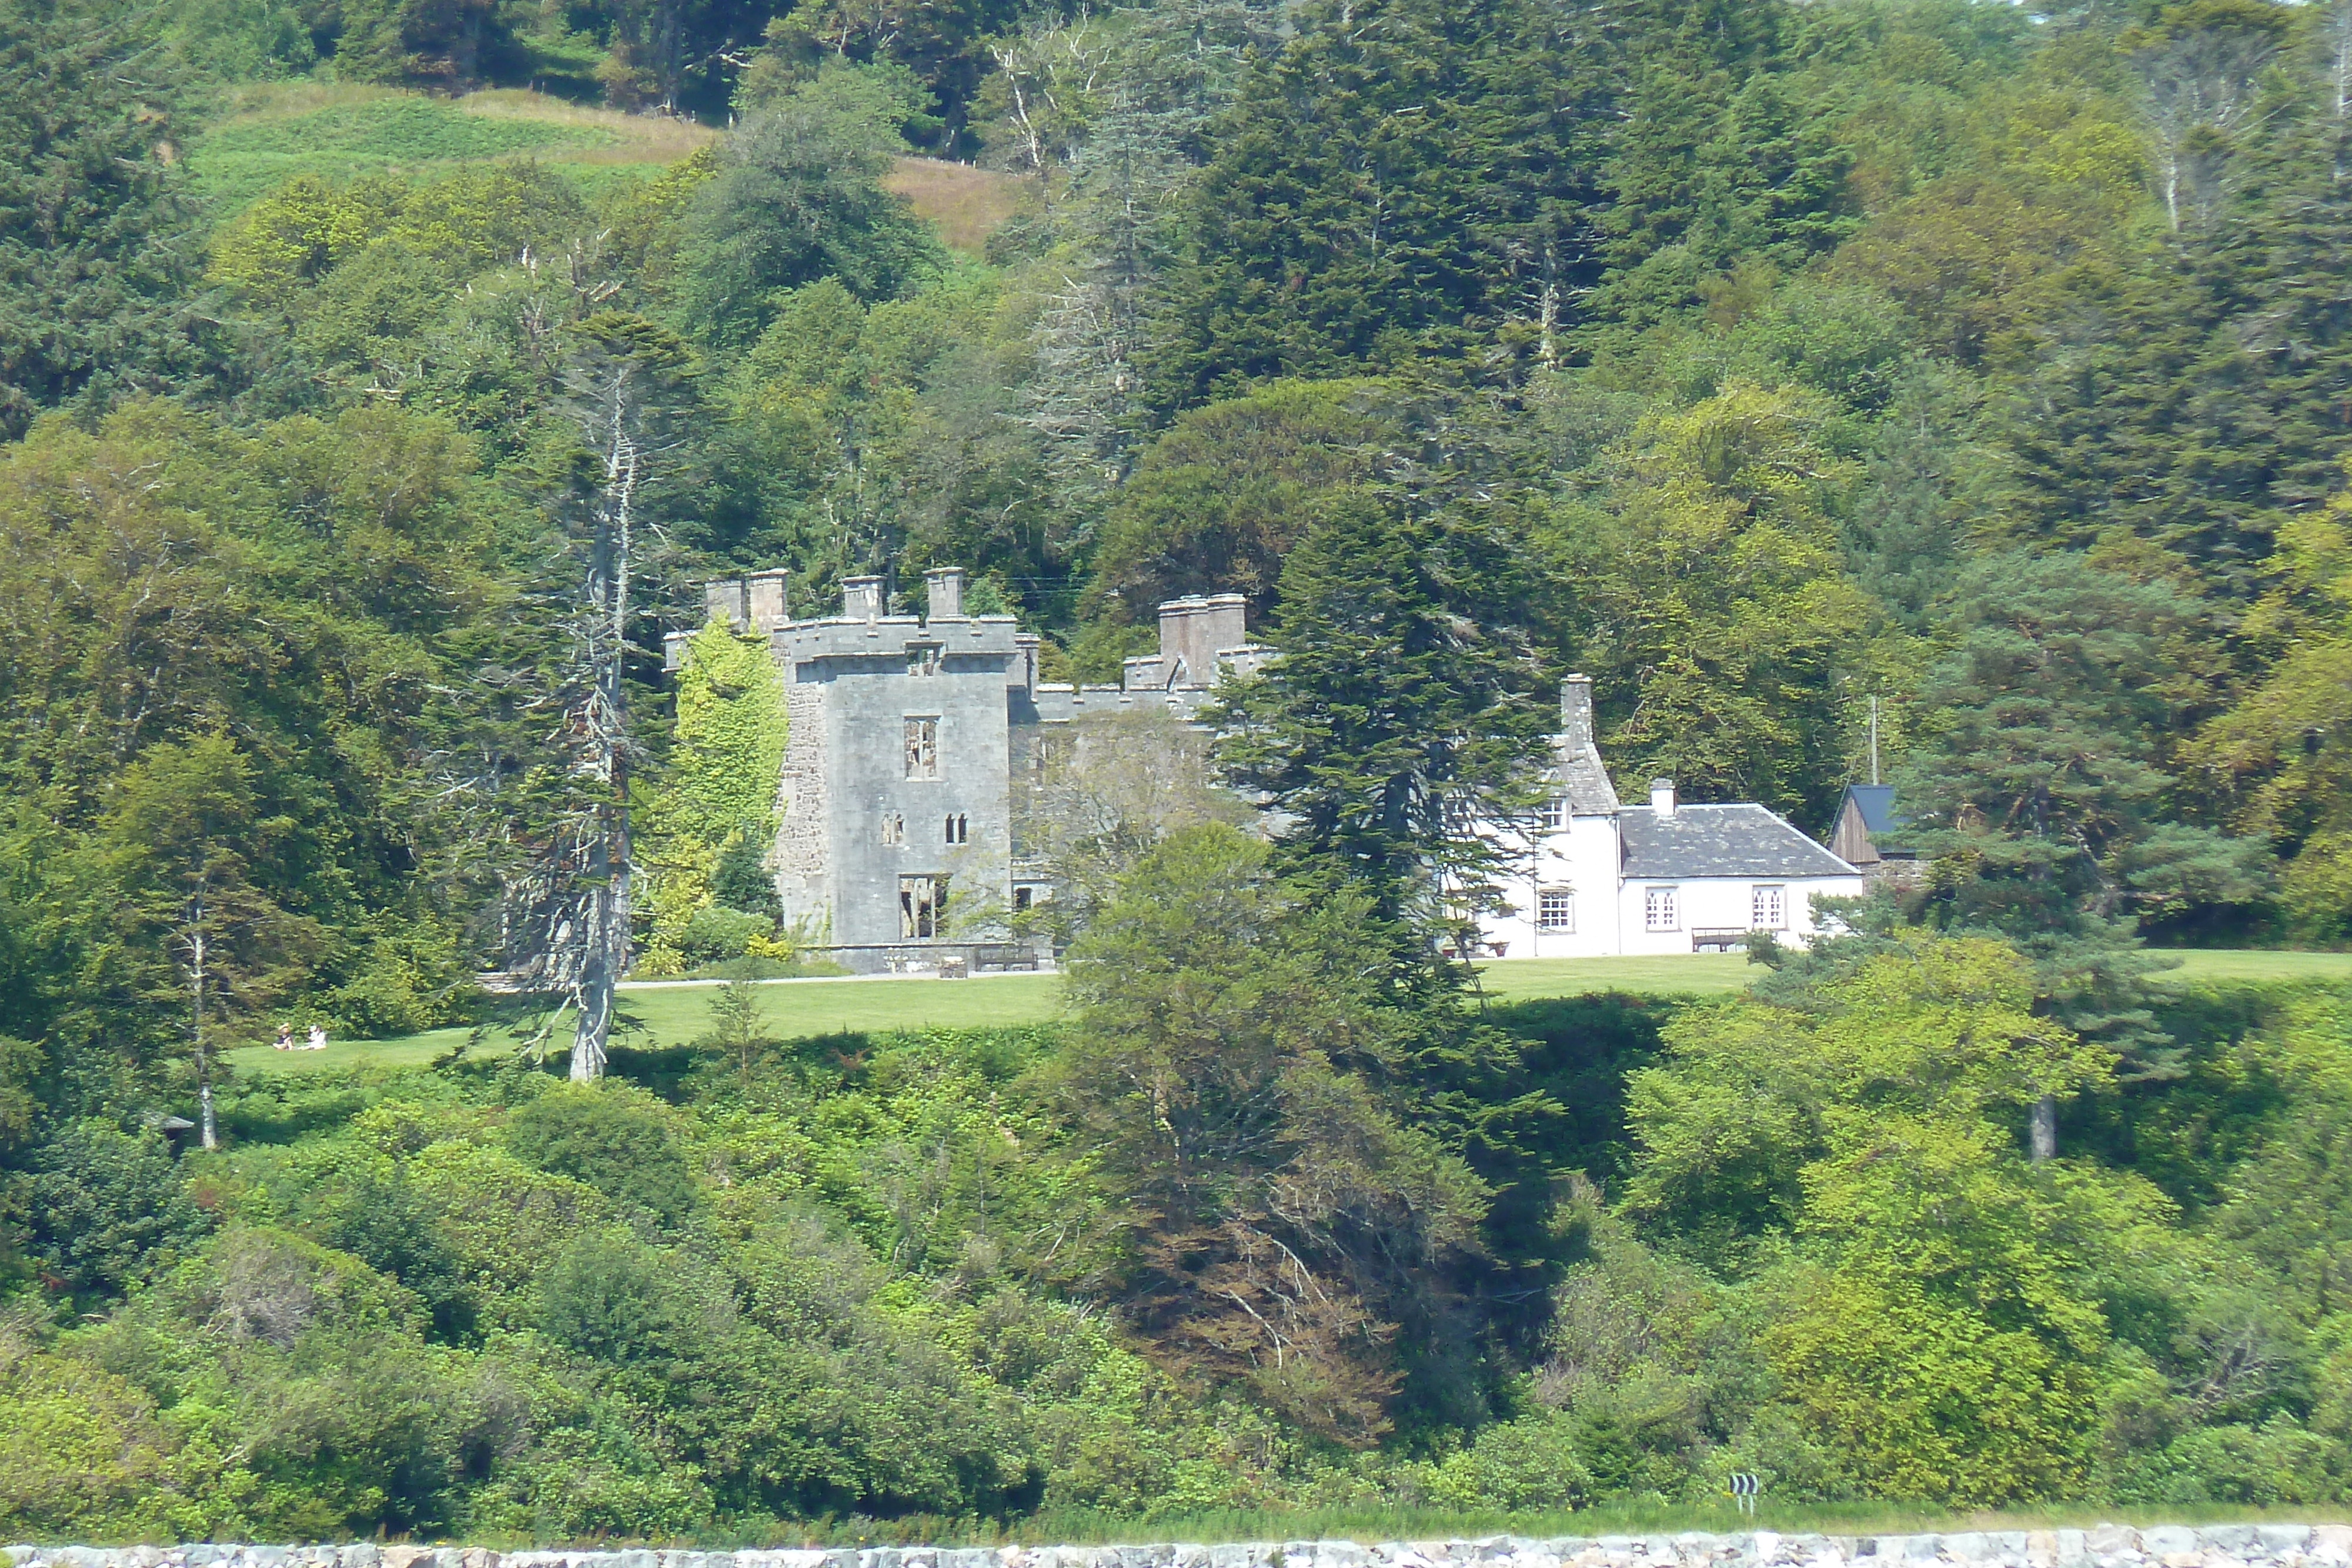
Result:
[{"x": 718, "y": 802}]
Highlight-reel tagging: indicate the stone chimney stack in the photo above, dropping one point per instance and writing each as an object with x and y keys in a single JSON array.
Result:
[
  {"x": 861, "y": 599},
  {"x": 1026, "y": 645},
  {"x": 1662, "y": 797},
  {"x": 1225, "y": 624},
  {"x": 724, "y": 598},
  {"x": 944, "y": 587},
  {"x": 1576, "y": 711},
  {"x": 764, "y": 599},
  {"x": 1193, "y": 631}
]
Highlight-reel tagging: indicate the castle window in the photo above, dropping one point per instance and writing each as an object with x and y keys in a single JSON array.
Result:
[
  {"x": 1661, "y": 910},
  {"x": 922, "y": 658},
  {"x": 894, "y": 828},
  {"x": 1555, "y": 910},
  {"x": 922, "y": 906},
  {"x": 1768, "y": 909},
  {"x": 1552, "y": 815},
  {"x": 922, "y": 748},
  {"x": 959, "y": 830},
  {"x": 1022, "y": 897}
]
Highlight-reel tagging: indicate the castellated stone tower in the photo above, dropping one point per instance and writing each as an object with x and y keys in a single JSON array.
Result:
[{"x": 908, "y": 739}]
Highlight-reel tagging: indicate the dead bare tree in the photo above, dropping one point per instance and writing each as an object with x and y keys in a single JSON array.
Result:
[
  {"x": 569, "y": 902},
  {"x": 2203, "y": 92}
]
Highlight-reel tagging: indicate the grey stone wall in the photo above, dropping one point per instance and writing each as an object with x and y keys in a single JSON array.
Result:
[{"x": 2106, "y": 1546}]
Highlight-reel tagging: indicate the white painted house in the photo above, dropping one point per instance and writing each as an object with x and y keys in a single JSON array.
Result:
[{"x": 1605, "y": 879}]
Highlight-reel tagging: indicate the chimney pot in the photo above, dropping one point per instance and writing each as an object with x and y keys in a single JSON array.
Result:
[{"x": 1662, "y": 797}]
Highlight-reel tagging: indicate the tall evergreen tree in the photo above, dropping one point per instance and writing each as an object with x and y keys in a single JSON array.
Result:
[
  {"x": 1399, "y": 713},
  {"x": 2036, "y": 787},
  {"x": 1442, "y": 207},
  {"x": 98, "y": 246}
]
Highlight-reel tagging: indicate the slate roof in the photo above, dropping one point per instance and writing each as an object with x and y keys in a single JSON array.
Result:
[
  {"x": 1720, "y": 840},
  {"x": 1576, "y": 768},
  {"x": 1877, "y": 804}
]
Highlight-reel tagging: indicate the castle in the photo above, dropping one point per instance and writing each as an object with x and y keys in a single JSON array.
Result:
[
  {"x": 907, "y": 739},
  {"x": 911, "y": 739}
]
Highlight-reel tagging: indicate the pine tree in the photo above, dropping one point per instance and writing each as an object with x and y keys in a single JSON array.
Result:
[
  {"x": 1397, "y": 716},
  {"x": 2035, "y": 786},
  {"x": 98, "y": 246},
  {"x": 1446, "y": 195}
]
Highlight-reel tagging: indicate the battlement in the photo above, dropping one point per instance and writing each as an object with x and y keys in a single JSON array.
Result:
[{"x": 899, "y": 637}]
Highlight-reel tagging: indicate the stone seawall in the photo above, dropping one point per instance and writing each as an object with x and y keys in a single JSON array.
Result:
[{"x": 2106, "y": 1546}]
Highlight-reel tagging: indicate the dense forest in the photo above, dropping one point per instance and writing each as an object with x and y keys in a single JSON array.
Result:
[{"x": 1981, "y": 366}]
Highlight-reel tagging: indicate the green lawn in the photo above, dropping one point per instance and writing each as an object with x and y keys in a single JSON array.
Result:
[{"x": 672, "y": 1014}]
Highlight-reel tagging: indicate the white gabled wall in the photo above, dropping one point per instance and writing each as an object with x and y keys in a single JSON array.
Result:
[{"x": 1583, "y": 858}]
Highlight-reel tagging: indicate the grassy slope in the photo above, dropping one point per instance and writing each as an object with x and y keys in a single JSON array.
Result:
[
  {"x": 672, "y": 1014},
  {"x": 285, "y": 129},
  {"x": 289, "y": 129}
]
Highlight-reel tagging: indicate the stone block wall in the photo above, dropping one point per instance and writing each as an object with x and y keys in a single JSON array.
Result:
[{"x": 2106, "y": 1546}]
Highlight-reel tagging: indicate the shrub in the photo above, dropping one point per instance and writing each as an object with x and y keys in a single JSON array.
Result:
[
  {"x": 611, "y": 1137},
  {"x": 108, "y": 1208},
  {"x": 714, "y": 933}
]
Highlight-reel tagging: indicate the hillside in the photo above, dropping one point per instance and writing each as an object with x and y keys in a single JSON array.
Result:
[
  {"x": 268, "y": 135},
  {"x": 1627, "y": 427}
]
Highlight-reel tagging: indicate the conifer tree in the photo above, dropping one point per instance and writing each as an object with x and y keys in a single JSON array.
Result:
[
  {"x": 1448, "y": 185},
  {"x": 569, "y": 903},
  {"x": 2036, "y": 786},
  {"x": 1398, "y": 713},
  {"x": 99, "y": 253}
]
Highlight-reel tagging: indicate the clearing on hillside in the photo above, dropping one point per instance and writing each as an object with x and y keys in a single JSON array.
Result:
[{"x": 340, "y": 131}]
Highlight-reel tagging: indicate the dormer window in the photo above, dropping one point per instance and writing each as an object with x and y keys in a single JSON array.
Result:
[{"x": 1552, "y": 815}]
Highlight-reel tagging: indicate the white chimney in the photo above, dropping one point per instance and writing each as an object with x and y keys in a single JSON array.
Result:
[{"x": 1662, "y": 797}]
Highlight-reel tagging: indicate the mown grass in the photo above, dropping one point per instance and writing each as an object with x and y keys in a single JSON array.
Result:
[{"x": 673, "y": 1013}]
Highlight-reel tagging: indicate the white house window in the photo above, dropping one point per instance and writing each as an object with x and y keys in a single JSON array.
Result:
[
  {"x": 922, "y": 748},
  {"x": 1552, "y": 815},
  {"x": 1555, "y": 910},
  {"x": 1769, "y": 909},
  {"x": 922, "y": 905},
  {"x": 894, "y": 828},
  {"x": 1660, "y": 909},
  {"x": 959, "y": 830}
]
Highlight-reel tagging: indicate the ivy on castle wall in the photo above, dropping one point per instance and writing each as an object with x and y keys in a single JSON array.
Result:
[{"x": 721, "y": 790}]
